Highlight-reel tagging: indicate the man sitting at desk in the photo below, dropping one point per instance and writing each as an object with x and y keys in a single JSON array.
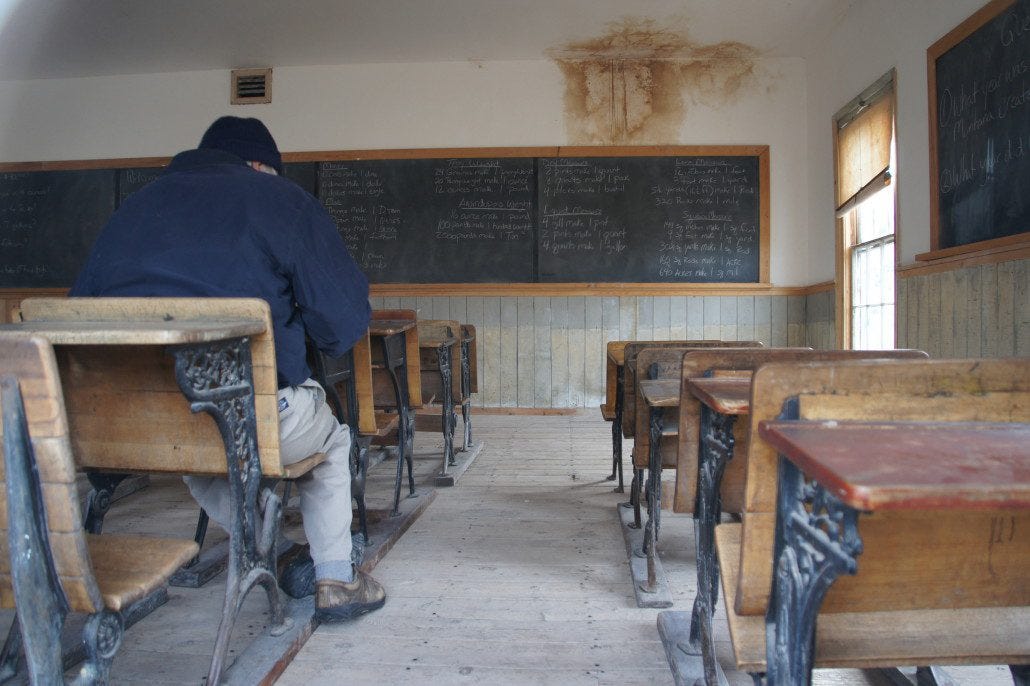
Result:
[{"x": 220, "y": 223}]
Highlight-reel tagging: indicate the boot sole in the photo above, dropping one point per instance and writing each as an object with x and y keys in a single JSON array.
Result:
[{"x": 347, "y": 612}]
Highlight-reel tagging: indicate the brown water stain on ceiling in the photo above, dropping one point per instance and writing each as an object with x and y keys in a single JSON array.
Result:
[{"x": 633, "y": 84}]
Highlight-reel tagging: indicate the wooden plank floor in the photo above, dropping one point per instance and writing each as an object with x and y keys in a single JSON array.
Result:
[{"x": 519, "y": 576}]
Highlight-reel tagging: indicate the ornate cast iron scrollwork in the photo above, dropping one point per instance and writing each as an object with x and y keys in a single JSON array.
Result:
[
  {"x": 816, "y": 541},
  {"x": 449, "y": 420},
  {"x": 716, "y": 450},
  {"x": 217, "y": 378}
]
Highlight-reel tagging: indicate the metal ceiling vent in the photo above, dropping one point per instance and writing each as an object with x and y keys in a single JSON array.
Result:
[{"x": 251, "y": 86}]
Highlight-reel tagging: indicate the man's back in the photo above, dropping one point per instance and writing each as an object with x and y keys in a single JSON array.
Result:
[{"x": 213, "y": 227}]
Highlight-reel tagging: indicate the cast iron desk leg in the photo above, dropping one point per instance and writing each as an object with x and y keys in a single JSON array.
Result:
[
  {"x": 653, "y": 493},
  {"x": 217, "y": 378},
  {"x": 715, "y": 452},
  {"x": 617, "y": 434},
  {"x": 814, "y": 546},
  {"x": 449, "y": 420},
  {"x": 466, "y": 393},
  {"x": 395, "y": 357}
]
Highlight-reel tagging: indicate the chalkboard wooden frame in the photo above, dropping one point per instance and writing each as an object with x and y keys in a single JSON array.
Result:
[
  {"x": 954, "y": 38},
  {"x": 760, "y": 152}
]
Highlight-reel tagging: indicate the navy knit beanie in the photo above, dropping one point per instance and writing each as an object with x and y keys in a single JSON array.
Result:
[{"x": 248, "y": 139}]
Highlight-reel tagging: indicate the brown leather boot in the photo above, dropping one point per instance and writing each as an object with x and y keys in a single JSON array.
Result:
[{"x": 338, "y": 601}]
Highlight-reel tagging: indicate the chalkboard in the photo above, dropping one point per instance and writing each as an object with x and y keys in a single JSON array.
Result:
[
  {"x": 48, "y": 223},
  {"x": 649, "y": 219},
  {"x": 686, "y": 218},
  {"x": 435, "y": 220},
  {"x": 134, "y": 178},
  {"x": 980, "y": 127}
]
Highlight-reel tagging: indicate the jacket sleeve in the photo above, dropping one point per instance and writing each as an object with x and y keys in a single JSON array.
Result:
[{"x": 330, "y": 290}]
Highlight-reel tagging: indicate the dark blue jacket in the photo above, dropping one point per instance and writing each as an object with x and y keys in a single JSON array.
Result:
[{"x": 212, "y": 226}]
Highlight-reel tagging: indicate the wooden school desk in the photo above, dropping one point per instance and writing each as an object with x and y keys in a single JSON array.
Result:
[
  {"x": 212, "y": 361},
  {"x": 833, "y": 471}
]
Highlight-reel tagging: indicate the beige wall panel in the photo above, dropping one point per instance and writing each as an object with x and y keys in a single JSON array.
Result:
[
  {"x": 542, "y": 363},
  {"x": 728, "y": 319},
  {"x": 526, "y": 340},
  {"x": 593, "y": 350},
  {"x": 508, "y": 357},
  {"x": 1006, "y": 337},
  {"x": 695, "y": 318},
  {"x": 662, "y": 321},
  {"x": 559, "y": 352},
  {"x": 577, "y": 355}
]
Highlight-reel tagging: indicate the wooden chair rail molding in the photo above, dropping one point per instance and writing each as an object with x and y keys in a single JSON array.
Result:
[{"x": 10, "y": 297}]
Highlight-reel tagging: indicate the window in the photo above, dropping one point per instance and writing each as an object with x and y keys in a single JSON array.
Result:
[{"x": 864, "y": 149}]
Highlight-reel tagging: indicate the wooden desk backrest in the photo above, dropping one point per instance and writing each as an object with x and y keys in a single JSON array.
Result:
[
  {"x": 702, "y": 362},
  {"x": 911, "y": 559},
  {"x": 385, "y": 396},
  {"x": 125, "y": 408},
  {"x": 468, "y": 335},
  {"x": 633, "y": 349},
  {"x": 31, "y": 361},
  {"x": 437, "y": 329},
  {"x": 655, "y": 363}
]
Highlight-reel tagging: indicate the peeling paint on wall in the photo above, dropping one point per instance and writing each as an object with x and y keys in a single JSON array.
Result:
[{"x": 633, "y": 84}]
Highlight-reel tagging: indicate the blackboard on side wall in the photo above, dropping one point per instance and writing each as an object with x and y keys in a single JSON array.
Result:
[{"x": 979, "y": 91}]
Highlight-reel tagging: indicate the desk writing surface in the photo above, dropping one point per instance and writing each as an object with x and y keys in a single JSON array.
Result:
[
  {"x": 911, "y": 465},
  {"x": 729, "y": 395},
  {"x": 176, "y": 332},
  {"x": 660, "y": 392},
  {"x": 389, "y": 327}
]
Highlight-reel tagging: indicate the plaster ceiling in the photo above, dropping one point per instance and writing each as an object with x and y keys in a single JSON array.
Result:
[{"x": 76, "y": 38}]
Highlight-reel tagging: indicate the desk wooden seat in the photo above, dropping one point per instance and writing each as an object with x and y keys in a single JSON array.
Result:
[
  {"x": 934, "y": 585},
  {"x": 97, "y": 575},
  {"x": 127, "y": 412}
]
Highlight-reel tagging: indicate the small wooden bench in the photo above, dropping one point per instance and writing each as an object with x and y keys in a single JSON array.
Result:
[
  {"x": 124, "y": 397},
  {"x": 50, "y": 565},
  {"x": 934, "y": 585}
]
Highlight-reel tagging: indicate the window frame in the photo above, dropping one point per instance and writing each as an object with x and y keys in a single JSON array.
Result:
[{"x": 845, "y": 235}]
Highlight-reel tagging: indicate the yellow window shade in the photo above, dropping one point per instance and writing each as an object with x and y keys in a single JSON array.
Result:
[{"x": 864, "y": 147}]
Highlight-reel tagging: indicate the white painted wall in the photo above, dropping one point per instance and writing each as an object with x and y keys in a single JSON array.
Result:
[
  {"x": 875, "y": 36},
  {"x": 450, "y": 104}
]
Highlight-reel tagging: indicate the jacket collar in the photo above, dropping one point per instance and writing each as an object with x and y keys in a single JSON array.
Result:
[{"x": 195, "y": 159}]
